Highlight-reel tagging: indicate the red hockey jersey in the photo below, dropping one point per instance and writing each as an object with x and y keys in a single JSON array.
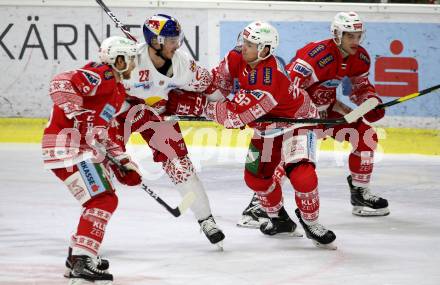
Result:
[
  {"x": 90, "y": 93},
  {"x": 263, "y": 91},
  {"x": 319, "y": 68}
]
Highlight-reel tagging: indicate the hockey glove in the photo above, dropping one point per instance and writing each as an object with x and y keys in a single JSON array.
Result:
[
  {"x": 182, "y": 102},
  {"x": 375, "y": 114},
  {"x": 130, "y": 174}
]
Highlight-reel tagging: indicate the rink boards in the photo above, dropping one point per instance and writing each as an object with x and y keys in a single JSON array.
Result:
[{"x": 391, "y": 140}]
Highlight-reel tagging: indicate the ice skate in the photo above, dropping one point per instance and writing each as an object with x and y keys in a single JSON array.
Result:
[
  {"x": 212, "y": 231},
  {"x": 102, "y": 264},
  {"x": 320, "y": 236},
  {"x": 85, "y": 271},
  {"x": 366, "y": 204},
  {"x": 253, "y": 216},
  {"x": 280, "y": 225}
]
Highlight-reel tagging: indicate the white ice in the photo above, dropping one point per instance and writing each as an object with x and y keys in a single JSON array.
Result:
[{"x": 146, "y": 245}]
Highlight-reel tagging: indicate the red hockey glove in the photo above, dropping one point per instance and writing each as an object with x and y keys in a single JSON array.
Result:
[
  {"x": 131, "y": 176},
  {"x": 375, "y": 114},
  {"x": 182, "y": 102}
]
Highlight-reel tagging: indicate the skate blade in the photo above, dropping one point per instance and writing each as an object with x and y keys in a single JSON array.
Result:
[
  {"x": 330, "y": 246},
  {"x": 294, "y": 234},
  {"x": 219, "y": 246},
  {"x": 369, "y": 212},
  {"x": 248, "y": 222},
  {"x": 103, "y": 282},
  {"x": 67, "y": 272},
  {"x": 80, "y": 281}
]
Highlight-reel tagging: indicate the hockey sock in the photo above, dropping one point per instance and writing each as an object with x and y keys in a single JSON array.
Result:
[
  {"x": 200, "y": 207},
  {"x": 91, "y": 228},
  {"x": 361, "y": 166},
  {"x": 181, "y": 172},
  {"x": 305, "y": 182},
  {"x": 268, "y": 192}
]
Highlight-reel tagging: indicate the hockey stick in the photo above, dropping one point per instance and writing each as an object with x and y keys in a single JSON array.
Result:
[
  {"x": 409, "y": 97},
  {"x": 187, "y": 200},
  {"x": 351, "y": 117},
  {"x": 116, "y": 20}
]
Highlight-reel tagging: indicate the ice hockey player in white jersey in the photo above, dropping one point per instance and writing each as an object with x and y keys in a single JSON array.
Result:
[{"x": 164, "y": 70}]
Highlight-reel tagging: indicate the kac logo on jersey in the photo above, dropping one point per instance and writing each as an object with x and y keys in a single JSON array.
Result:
[
  {"x": 316, "y": 50},
  {"x": 267, "y": 76},
  {"x": 108, "y": 75},
  {"x": 252, "y": 77},
  {"x": 332, "y": 83},
  {"x": 301, "y": 69},
  {"x": 326, "y": 60},
  {"x": 108, "y": 112}
]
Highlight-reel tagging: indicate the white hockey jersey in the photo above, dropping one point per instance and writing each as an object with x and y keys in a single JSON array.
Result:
[{"x": 149, "y": 84}]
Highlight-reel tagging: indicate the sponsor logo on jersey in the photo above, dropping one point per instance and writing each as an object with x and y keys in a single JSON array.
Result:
[
  {"x": 332, "y": 83},
  {"x": 193, "y": 66},
  {"x": 145, "y": 85},
  {"x": 108, "y": 112},
  {"x": 316, "y": 50},
  {"x": 326, "y": 60},
  {"x": 236, "y": 86},
  {"x": 302, "y": 69},
  {"x": 364, "y": 58},
  {"x": 108, "y": 75},
  {"x": 91, "y": 176},
  {"x": 92, "y": 79},
  {"x": 252, "y": 77},
  {"x": 171, "y": 86},
  {"x": 88, "y": 174},
  {"x": 267, "y": 76},
  {"x": 256, "y": 94}
]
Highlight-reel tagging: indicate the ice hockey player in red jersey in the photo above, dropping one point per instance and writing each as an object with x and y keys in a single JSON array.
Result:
[
  {"x": 319, "y": 68},
  {"x": 164, "y": 71},
  {"x": 74, "y": 146},
  {"x": 261, "y": 88}
]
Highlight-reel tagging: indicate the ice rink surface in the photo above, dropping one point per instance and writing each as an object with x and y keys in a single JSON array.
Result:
[{"x": 146, "y": 245}]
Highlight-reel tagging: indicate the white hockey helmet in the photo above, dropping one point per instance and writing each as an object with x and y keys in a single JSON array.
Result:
[
  {"x": 346, "y": 22},
  {"x": 263, "y": 34},
  {"x": 115, "y": 46}
]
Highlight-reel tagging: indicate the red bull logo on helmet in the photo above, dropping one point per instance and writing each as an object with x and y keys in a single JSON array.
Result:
[{"x": 155, "y": 26}]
